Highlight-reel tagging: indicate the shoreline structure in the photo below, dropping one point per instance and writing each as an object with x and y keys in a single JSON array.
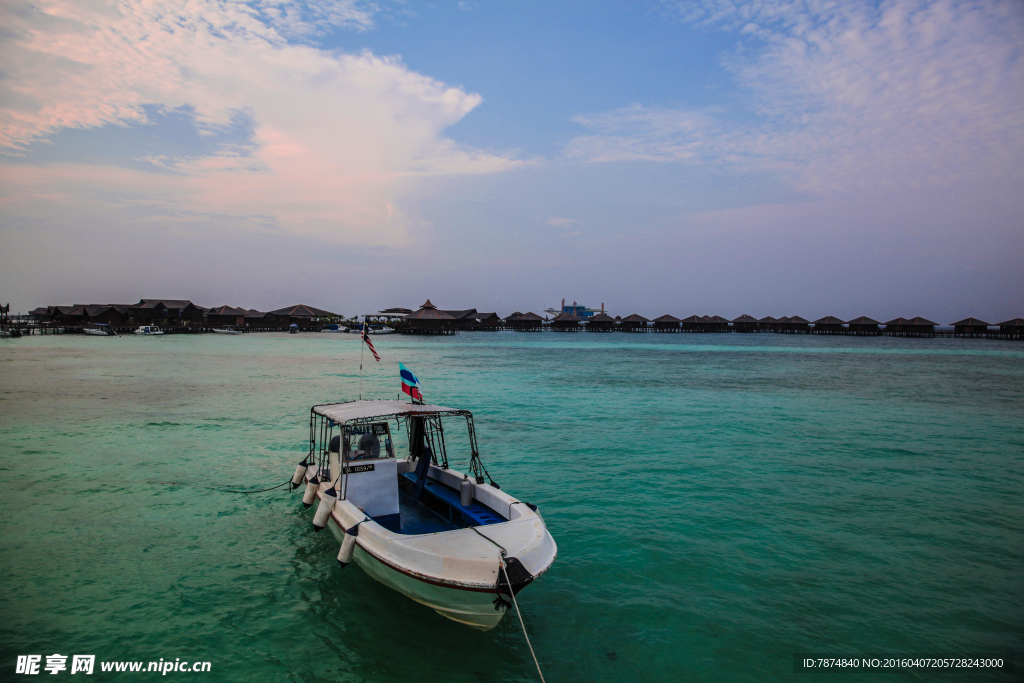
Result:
[{"x": 179, "y": 316}]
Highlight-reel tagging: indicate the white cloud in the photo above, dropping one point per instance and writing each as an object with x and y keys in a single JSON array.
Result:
[
  {"x": 566, "y": 224},
  {"x": 339, "y": 137},
  {"x": 904, "y": 94}
]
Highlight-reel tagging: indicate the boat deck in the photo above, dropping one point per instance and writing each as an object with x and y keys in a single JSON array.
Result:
[
  {"x": 418, "y": 519},
  {"x": 440, "y": 509}
]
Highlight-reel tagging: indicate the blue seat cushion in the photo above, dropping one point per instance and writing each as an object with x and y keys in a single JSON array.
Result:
[{"x": 475, "y": 514}]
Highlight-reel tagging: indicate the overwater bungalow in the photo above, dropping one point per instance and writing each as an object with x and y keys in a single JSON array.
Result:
[
  {"x": 767, "y": 323},
  {"x": 794, "y": 325},
  {"x": 970, "y": 327},
  {"x": 667, "y": 323},
  {"x": 566, "y": 322},
  {"x": 306, "y": 317},
  {"x": 745, "y": 323},
  {"x": 716, "y": 323},
  {"x": 693, "y": 323},
  {"x": 429, "y": 320},
  {"x": 634, "y": 323},
  {"x": 829, "y": 325},
  {"x": 488, "y": 322},
  {"x": 81, "y": 315},
  {"x": 602, "y": 322},
  {"x": 525, "y": 322},
  {"x": 864, "y": 326},
  {"x": 254, "y": 319},
  {"x": 66, "y": 316},
  {"x": 1012, "y": 328},
  {"x": 464, "y": 320},
  {"x": 221, "y": 316},
  {"x": 174, "y": 311},
  {"x": 910, "y": 327}
]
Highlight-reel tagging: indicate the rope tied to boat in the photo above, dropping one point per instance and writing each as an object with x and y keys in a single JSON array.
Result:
[
  {"x": 521, "y": 622},
  {"x": 512, "y": 592},
  {"x": 256, "y": 491}
]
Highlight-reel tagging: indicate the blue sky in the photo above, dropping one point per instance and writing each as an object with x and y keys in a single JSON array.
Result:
[{"x": 774, "y": 158}]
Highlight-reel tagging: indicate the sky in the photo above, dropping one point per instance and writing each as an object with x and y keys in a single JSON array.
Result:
[{"x": 776, "y": 157}]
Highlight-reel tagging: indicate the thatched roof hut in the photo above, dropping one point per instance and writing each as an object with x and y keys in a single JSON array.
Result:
[
  {"x": 694, "y": 323},
  {"x": 525, "y": 321},
  {"x": 634, "y": 323},
  {"x": 428, "y": 320},
  {"x": 226, "y": 315},
  {"x": 464, "y": 320},
  {"x": 864, "y": 325},
  {"x": 300, "y": 314},
  {"x": 716, "y": 323},
  {"x": 488, "y": 321},
  {"x": 910, "y": 327},
  {"x": 794, "y": 324},
  {"x": 1016, "y": 325},
  {"x": 566, "y": 322},
  {"x": 602, "y": 322},
  {"x": 970, "y": 326},
  {"x": 667, "y": 323},
  {"x": 745, "y": 323},
  {"x": 829, "y": 325}
]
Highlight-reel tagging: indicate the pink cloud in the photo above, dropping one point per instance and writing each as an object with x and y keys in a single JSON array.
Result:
[{"x": 339, "y": 137}]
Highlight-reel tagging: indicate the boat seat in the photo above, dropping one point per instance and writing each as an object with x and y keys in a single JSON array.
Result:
[{"x": 476, "y": 514}]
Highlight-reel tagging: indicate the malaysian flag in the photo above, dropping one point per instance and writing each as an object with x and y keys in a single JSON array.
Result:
[{"x": 366, "y": 338}]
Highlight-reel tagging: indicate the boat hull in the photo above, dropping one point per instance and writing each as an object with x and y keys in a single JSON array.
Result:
[
  {"x": 474, "y": 607},
  {"x": 455, "y": 573}
]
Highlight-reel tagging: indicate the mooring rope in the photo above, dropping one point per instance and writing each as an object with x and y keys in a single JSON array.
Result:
[
  {"x": 501, "y": 563},
  {"x": 521, "y": 622},
  {"x": 256, "y": 491}
]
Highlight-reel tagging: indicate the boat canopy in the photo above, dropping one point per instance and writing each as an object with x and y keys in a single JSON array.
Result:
[{"x": 342, "y": 413}]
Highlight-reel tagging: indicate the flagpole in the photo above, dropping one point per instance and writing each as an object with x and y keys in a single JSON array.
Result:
[{"x": 361, "y": 345}]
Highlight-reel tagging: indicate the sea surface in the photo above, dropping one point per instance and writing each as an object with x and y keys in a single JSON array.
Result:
[{"x": 720, "y": 502}]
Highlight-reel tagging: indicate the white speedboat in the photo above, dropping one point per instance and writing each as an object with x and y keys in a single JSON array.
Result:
[
  {"x": 149, "y": 330},
  {"x": 381, "y": 330},
  {"x": 99, "y": 330},
  {"x": 442, "y": 537},
  {"x": 220, "y": 331}
]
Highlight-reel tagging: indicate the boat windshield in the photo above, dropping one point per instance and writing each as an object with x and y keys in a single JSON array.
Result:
[{"x": 368, "y": 441}]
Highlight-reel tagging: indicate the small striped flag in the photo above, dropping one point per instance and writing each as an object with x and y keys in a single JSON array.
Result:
[
  {"x": 410, "y": 384},
  {"x": 366, "y": 338}
]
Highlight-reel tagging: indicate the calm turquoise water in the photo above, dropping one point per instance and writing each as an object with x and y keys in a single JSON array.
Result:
[{"x": 720, "y": 502}]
